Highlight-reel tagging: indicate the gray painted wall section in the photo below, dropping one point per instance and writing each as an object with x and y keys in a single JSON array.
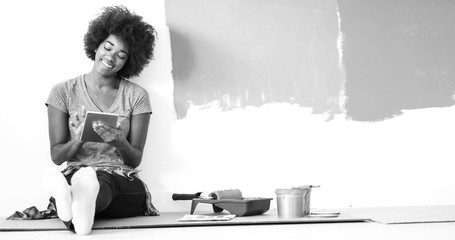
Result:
[
  {"x": 397, "y": 55},
  {"x": 248, "y": 53}
]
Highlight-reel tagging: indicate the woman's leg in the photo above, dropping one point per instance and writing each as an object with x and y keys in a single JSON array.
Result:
[
  {"x": 84, "y": 189},
  {"x": 57, "y": 186},
  {"x": 106, "y": 192},
  {"x": 107, "y": 195},
  {"x": 127, "y": 199}
]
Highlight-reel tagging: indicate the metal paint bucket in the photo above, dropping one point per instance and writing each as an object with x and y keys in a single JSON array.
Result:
[{"x": 293, "y": 202}]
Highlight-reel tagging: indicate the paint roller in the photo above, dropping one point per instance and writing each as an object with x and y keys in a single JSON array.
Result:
[{"x": 213, "y": 195}]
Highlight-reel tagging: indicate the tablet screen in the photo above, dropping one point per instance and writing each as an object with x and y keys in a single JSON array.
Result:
[{"x": 88, "y": 134}]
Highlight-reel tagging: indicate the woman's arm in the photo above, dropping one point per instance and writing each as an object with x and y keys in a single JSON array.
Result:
[
  {"x": 61, "y": 149},
  {"x": 129, "y": 149}
]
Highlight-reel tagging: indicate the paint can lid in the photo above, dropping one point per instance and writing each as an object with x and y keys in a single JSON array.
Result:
[{"x": 291, "y": 191}]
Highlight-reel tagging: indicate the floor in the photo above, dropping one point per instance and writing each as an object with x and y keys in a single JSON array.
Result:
[
  {"x": 442, "y": 227},
  {"x": 352, "y": 231}
]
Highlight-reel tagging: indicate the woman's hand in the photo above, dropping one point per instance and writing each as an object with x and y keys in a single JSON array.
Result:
[
  {"x": 77, "y": 124},
  {"x": 111, "y": 135},
  {"x": 128, "y": 145},
  {"x": 59, "y": 133}
]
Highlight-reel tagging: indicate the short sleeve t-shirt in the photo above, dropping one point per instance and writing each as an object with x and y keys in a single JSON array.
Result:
[{"x": 69, "y": 97}]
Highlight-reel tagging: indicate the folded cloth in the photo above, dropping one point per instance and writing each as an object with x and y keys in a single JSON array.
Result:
[{"x": 32, "y": 213}]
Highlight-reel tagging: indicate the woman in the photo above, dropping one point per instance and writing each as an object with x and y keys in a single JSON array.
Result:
[{"x": 101, "y": 178}]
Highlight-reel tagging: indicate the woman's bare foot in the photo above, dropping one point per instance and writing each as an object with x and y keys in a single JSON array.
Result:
[
  {"x": 84, "y": 189},
  {"x": 57, "y": 186}
]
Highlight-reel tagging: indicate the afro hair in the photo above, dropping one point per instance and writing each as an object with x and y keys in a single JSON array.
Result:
[{"x": 138, "y": 35}]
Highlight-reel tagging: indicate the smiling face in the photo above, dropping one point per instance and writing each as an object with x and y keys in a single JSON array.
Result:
[{"x": 111, "y": 56}]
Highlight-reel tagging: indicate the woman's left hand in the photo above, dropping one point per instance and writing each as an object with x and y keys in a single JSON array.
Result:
[{"x": 109, "y": 134}]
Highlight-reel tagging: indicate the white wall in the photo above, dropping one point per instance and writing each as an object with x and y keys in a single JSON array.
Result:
[
  {"x": 406, "y": 160},
  {"x": 43, "y": 45}
]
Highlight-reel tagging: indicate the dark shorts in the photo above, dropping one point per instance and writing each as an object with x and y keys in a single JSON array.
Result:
[
  {"x": 126, "y": 198},
  {"x": 118, "y": 197}
]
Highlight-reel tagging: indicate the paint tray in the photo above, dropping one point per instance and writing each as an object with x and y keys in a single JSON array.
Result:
[{"x": 239, "y": 207}]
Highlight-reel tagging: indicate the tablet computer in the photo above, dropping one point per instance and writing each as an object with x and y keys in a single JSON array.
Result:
[{"x": 88, "y": 134}]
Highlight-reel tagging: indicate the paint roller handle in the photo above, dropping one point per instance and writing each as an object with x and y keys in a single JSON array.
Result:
[{"x": 184, "y": 196}]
